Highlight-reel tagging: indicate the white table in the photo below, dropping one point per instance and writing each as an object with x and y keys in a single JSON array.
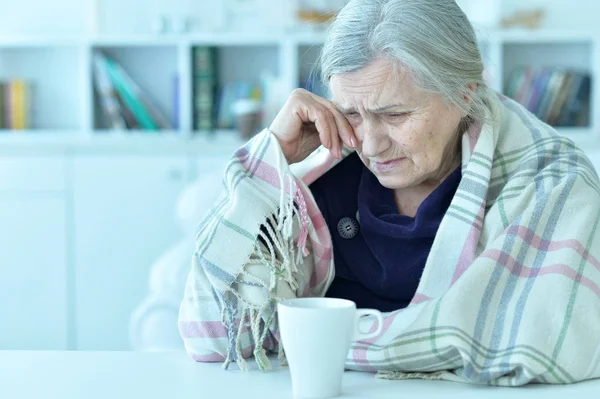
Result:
[{"x": 167, "y": 375}]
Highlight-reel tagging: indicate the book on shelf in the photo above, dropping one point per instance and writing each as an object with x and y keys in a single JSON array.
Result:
[
  {"x": 15, "y": 104},
  {"x": 131, "y": 122},
  {"x": 213, "y": 103},
  {"x": 176, "y": 101},
  {"x": 558, "y": 96},
  {"x": 122, "y": 100},
  {"x": 205, "y": 82},
  {"x": 110, "y": 101},
  {"x": 2, "y": 118}
]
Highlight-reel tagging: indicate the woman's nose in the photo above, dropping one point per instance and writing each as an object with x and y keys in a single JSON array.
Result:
[{"x": 374, "y": 142}]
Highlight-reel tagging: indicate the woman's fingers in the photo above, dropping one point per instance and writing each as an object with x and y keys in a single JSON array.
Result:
[
  {"x": 326, "y": 126},
  {"x": 345, "y": 130},
  {"x": 295, "y": 135},
  {"x": 339, "y": 131},
  {"x": 334, "y": 136},
  {"x": 323, "y": 126}
]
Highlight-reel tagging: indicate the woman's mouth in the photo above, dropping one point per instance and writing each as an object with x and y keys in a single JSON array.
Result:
[{"x": 386, "y": 166}]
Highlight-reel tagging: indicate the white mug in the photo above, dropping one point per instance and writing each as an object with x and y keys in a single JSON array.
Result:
[{"x": 316, "y": 334}]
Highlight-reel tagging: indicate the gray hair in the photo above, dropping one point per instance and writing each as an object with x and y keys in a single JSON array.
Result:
[{"x": 432, "y": 39}]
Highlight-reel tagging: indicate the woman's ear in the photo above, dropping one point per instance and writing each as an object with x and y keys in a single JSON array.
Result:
[
  {"x": 467, "y": 98},
  {"x": 472, "y": 87}
]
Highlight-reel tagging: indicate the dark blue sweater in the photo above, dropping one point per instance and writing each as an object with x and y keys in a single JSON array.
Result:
[{"x": 381, "y": 259}]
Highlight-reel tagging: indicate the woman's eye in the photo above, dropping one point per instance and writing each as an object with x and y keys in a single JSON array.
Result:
[
  {"x": 353, "y": 116},
  {"x": 401, "y": 115}
]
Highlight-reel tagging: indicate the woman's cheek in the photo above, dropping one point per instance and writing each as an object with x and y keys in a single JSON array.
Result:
[{"x": 405, "y": 136}]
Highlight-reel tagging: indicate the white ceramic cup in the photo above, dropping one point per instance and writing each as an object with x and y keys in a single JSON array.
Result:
[{"x": 316, "y": 334}]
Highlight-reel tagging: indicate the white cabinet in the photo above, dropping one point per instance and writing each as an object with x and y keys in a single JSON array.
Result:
[
  {"x": 33, "y": 254},
  {"x": 124, "y": 219},
  {"x": 32, "y": 174}
]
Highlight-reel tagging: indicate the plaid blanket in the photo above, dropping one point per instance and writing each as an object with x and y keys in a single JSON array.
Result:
[{"x": 510, "y": 293}]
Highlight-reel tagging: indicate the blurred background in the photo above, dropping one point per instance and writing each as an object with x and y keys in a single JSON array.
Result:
[{"x": 117, "y": 117}]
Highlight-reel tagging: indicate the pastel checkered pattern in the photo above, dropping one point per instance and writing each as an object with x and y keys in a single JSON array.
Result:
[{"x": 510, "y": 293}]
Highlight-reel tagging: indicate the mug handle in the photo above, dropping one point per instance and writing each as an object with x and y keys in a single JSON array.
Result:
[{"x": 362, "y": 336}]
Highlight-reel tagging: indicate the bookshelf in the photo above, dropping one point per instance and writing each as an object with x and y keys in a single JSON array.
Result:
[{"x": 65, "y": 103}]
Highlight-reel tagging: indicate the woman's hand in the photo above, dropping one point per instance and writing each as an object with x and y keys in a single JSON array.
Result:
[{"x": 307, "y": 121}]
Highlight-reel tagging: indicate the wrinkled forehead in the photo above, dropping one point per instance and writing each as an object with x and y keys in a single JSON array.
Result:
[{"x": 376, "y": 85}]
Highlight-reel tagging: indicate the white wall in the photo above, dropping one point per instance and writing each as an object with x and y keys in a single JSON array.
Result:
[
  {"x": 37, "y": 17},
  {"x": 74, "y": 16},
  {"x": 125, "y": 16},
  {"x": 136, "y": 16}
]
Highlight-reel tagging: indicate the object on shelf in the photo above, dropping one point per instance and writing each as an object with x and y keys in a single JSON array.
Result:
[
  {"x": 530, "y": 19},
  {"x": 110, "y": 102},
  {"x": 318, "y": 12},
  {"x": 15, "y": 104},
  {"x": 125, "y": 104},
  {"x": 205, "y": 70},
  {"x": 228, "y": 95},
  {"x": 160, "y": 25},
  {"x": 180, "y": 24},
  {"x": 310, "y": 16},
  {"x": 559, "y": 97},
  {"x": 247, "y": 117}
]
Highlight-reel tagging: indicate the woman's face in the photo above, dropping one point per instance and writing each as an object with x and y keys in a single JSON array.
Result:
[{"x": 405, "y": 137}]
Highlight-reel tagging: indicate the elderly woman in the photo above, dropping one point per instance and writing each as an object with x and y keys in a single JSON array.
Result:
[{"x": 417, "y": 191}]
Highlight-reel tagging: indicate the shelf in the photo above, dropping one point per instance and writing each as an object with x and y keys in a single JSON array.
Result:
[
  {"x": 134, "y": 133},
  {"x": 133, "y": 41},
  {"x": 221, "y": 142},
  {"x": 52, "y": 77},
  {"x": 202, "y": 143},
  {"x": 543, "y": 36},
  {"x": 40, "y": 41},
  {"x": 298, "y": 38},
  {"x": 309, "y": 39},
  {"x": 10, "y": 135},
  {"x": 216, "y": 39},
  {"x": 158, "y": 80},
  {"x": 162, "y": 65},
  {"x": 233, "y": 40}
]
